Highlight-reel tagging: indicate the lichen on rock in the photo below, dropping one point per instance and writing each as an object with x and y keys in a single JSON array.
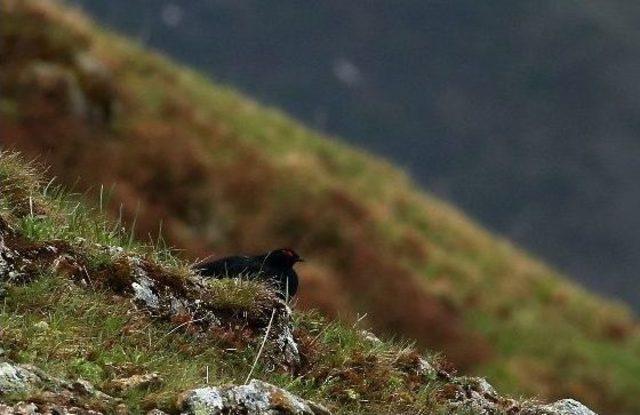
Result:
[
  {"x": 54, "y": 395},
  {"x": 562, "y": 407},
  {"x": 9, "y": 270},
  {"x": 16, "y": 379},
  {"x": 284, "y": 343},
  {"x": 476, "y": 395},
  {"x": 143, "y": 293},
  {"x": 254, "y": 398}
]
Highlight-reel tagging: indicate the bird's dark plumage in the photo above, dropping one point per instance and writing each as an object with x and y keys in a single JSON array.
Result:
[{"x": 275, "y": 268}]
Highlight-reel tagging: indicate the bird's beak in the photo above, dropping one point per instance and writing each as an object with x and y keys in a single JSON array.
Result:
[{"x": 300, "y": 259}]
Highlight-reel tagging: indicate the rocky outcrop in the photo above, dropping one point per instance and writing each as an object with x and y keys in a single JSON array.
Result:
[
  {"x": 190, "y": 299},
  {"x": 153, "y": 292},
  {"x": 478, "y": 397},
  {"x": 59, "y": 396},
  {"x": 54, "y": 395},
  {"x": 153, "y": 289},
  {"x": 8, "y": 257},
  {"x": 255, "y": 398},
  {"x": 562, "y": 407}
]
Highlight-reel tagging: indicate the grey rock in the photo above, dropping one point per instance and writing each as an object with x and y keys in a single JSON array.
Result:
[
  {"x": 483, "y": 387},
  {"x": 16, "y": 379},
  {"x": 564, "y": 407},
  {"x": 143, "y": 293},
  {"x": 479, "y": 397},
  {"x": 476, "y": 395},
  {"x": 29, "y": 408},
  {"x": 255, "y": 398},
  {"x": 425, "y": 369},
  {"x": 9, "y": 259},
  {"x": 370, "y": 337},
  {"x": 284, "y": 342},
  {"x": 21, "y": 408}
]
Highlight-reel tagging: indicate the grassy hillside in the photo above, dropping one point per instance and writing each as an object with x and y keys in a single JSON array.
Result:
[
  {"x": 71, "y": 310},
  {"x": 519, "y": 111},
  {"x": 222, "y": 174},
  {"x": 92, "y": 322}
]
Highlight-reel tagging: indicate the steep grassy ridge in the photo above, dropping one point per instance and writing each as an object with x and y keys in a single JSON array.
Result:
[{"x": 223, "y": 174}]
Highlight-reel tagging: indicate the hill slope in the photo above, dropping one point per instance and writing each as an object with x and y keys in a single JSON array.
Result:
[
  {"x": 513, "y": 109},
  {"x": 223, "y": 174},
  {"x": 81, "y": 301}
]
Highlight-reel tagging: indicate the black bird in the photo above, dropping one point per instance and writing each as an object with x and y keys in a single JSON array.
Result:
[{"x": 275, "y": 268}]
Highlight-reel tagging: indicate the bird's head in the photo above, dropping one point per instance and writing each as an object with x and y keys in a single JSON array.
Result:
[{"x": 284, "y": 257}]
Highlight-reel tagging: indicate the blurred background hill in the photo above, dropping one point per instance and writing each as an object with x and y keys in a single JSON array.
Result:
[
  {"x": 525, "y": 114},
  {"x": 171, "y": 153}
]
